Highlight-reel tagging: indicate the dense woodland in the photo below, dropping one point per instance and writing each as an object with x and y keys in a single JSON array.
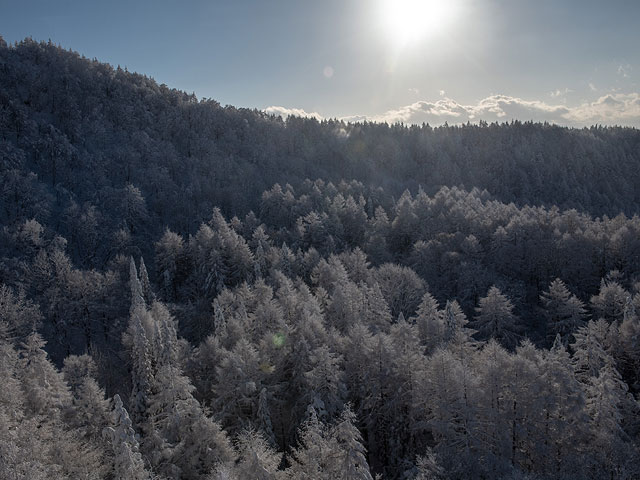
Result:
[{"x": 191, "y": 291}]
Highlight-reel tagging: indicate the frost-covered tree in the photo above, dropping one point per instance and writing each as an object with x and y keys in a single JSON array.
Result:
[
  {"x": 137, "y": 293},
  {"x": 236, "y": 392},
  {"x": 589, "y": 355},
  {"x": 91, "y": 410},
  {"x": 402, "y": 288},
  {"x": 141, "y": 365},
  {"x": 455, "y": 324},
  {"x": 630, "y": 342},
  {"x": 128, "y": 463},
  {"x": 311, "y": 459},
  {"x": 428, "y": 467},
  {"x": 147, "y": 292},
  {"x": 76, "y": 368},
  {"x": 45, "y": 391},
  {"x": 446, "y": 394},
  {"x": 495, "y": 318},
  {"x": 169, "y": 251},
  {"x": 376, "y": 313},
  {"x": 610, "y": 301},
  {"x": 347, "y": 452},
  {"x": 18, "y": 315},
  {"x": 324, "y": 383},
  {"x": 564, "y": 312},
  {"x": 430, "y": 323},
  {"x": 185, "y": 442},
  {"x": 257, "y": 459}
]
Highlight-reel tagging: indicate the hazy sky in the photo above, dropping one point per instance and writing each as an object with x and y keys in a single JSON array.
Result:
[{"x": 574, "y": 62}]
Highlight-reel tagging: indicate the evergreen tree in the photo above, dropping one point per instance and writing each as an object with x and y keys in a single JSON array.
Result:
[
  {"x": 325, "y": 389},
  {"x": 141, "y": 366},
  {"x": 428, "y": 467},
  {"x": 45, "y": 391},
  {"x": 610, "y": 301},
  {"x": 128, "y": 463},
  {"x": 564, "y": 312},
  {"x": 589, "y": 354},
  {"x": 347, "y": 451},
  {"x": 185, "y": 442},
  {"x": 430, "y": 323},
  {"x": 147, "y": 292},
  {"x": 91, "y": 409},
  {"x": 495, "y": 318},
  {"x": 257, "y": 459},
  {"x": 310, "y": 458},
  {"x": 630, "y": 343}
]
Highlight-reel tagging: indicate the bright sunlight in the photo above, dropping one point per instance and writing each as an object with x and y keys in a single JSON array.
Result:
[{"x": 409, "y": 21}]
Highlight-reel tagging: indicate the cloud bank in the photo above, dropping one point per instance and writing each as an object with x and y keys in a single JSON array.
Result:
[
  {"x": 610, "y": 109},
  {"x": 296, "y": 112}
]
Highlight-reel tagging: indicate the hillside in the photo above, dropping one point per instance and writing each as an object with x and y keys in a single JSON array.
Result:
[
  {"x": 196, "y": 291},
  {"x": 93, "y": 134}
]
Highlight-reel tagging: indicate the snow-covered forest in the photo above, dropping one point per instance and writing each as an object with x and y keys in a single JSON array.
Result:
[{"x": 192, "y": 291}]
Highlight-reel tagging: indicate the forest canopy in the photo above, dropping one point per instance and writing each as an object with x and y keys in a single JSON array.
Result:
[{"x": 195, "y": 291}]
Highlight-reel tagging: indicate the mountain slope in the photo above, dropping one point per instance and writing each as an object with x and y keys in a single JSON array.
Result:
[{"x": 102, "y": 138}]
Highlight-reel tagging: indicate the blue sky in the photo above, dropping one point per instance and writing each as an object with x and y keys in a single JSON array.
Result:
[{"x": 566, "y": 61}]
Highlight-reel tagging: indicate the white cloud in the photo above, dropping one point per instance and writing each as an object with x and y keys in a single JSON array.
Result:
[
  {"x": 495, "y": 107},
  {"x": 611, "y": 109},
  {"x": 617, "y": 108},
  {"x": 592, "y": 87},
  {"x": 284, "y": 112},
  {"x": 621, "y": 109},
  {"x": 442, "y": 93}
]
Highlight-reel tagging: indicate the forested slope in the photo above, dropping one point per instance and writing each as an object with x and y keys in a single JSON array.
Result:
[
  {"x": 196, "y": 291},
  {"x": 102, "y": 141}
]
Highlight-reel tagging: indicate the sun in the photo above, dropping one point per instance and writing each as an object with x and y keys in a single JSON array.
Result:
[{"x": 409, "y": 21}]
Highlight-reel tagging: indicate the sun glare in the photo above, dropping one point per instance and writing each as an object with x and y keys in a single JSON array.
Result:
[{"x": 408, "y": 21}]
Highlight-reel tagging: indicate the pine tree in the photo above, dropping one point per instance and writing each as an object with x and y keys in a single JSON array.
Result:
[
  {"x": 630, "y": 343},
  {"x": 128, "y": 463},
  {"x": 137, "y": 294},
  {"x": 257, "y": 459},
  {"x": 610, "y": 301},
  {"x": 18, "y": 315},
  {"x": 495, "y": 318},
  {"x": 564, "y": 312},
  {"x": 45, "y": 391},
  {"x": 589, "y": 355},
  {"x": 455, "y": 325},
  {"x": 219, "y": 323},
  {"x": 429, "y": 321},
  {"x": 266, "y": 426},
  {"x": 347, "y": 451},
  {"x": 77, "y": 368},
  {"x": 325, "y": 389},
  {"x": 91, "y": 408},
  {"x": 169, "y": 250},
  {"x": 185, "y": 441},
  {"x": 147, "y": 292},
  {"x": 562, "y": 402},
  {"x": 311, "y": 458},
  {"x": 447, "y": 393},
  {"x": 236, "y": 392},
  {"x": 376, "y": 314},
  {"x": 605, "y": 394},
  {"x": 428, "y": 467},
  {"x": 166, "y": 338},
  {"x": 141, "y": 366}
]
